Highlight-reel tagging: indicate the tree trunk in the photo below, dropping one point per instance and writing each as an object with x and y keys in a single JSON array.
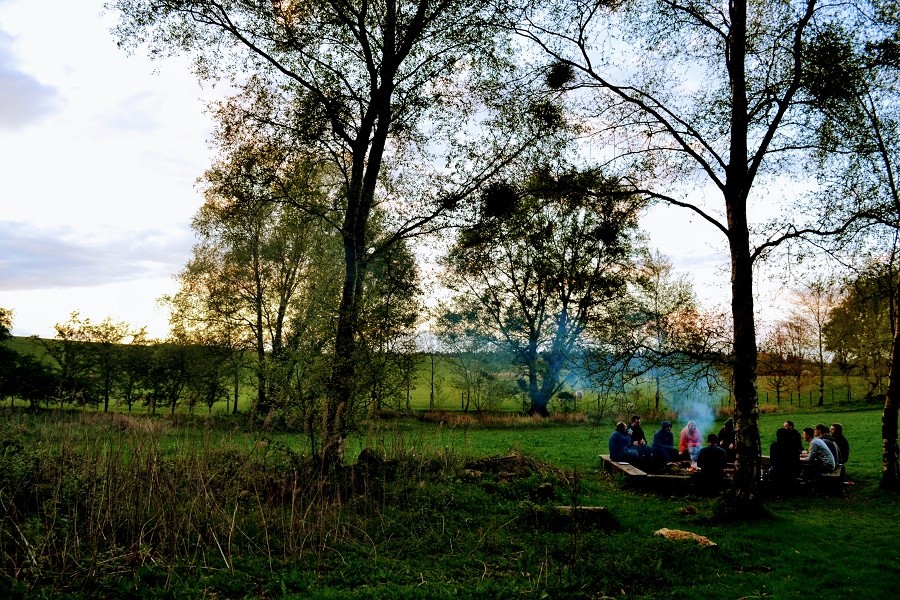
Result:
[
  {"x": 262, "y": 404},
  {"x": 343, "y": 369},
  {"x": 890, "y": 454},
  {"x": 237, "y": 389},
  {"x": 368, "y": 152},
  {"x": 743, "y": 497},
  {"x": 431, "y": 396}
]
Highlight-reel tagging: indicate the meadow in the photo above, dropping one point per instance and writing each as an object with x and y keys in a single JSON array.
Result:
[{"x": 125, "y": 506}]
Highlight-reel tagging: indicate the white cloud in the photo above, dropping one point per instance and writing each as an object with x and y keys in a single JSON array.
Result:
[
  {"x": 62, "y": 257},
  {"x": 23, "y": 98},
  {"x": 99, "y": 156}
]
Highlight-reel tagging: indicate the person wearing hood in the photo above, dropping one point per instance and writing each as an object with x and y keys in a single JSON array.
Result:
[
  {"x": 663, "y": 447},
  {"x": 726, "y": 440},
  {"x": 620, "y": 448}
]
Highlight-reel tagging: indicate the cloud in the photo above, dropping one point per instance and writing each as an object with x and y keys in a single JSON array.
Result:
[
  {"x": 46, "y": 258},
  {"x": 23, "y": 99}
]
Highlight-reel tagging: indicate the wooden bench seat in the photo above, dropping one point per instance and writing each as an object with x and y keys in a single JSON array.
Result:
[{"x": 621, "y": 467}]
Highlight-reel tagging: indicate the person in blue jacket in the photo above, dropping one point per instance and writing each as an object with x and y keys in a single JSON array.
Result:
[{"x": 620, "y": 447}]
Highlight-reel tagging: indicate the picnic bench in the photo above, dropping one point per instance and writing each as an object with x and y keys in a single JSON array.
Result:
[
  {"x": 660, "y": 482},
  {"x": 667, "y": 482},
  {"x": 830, "y": 482}
]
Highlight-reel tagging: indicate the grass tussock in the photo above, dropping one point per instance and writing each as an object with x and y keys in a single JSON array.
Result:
[{"x": 107, "y": 497}]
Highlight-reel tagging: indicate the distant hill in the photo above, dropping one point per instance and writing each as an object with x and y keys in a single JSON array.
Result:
[{"x": 27, "y": 345}]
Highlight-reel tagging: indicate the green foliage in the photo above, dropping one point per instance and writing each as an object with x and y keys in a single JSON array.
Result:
[{"x": 858, "y": 330}]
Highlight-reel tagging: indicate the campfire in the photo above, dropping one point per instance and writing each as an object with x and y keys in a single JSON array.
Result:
[{"x": 683, "y": 468}]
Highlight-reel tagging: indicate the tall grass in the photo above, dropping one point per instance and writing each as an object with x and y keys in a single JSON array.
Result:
[{"x": 102, "y": 497}]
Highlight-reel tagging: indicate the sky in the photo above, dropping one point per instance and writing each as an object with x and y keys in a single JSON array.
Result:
[
  {"x": 99, "y": 156},
  {"x": 100, "y": 152}
]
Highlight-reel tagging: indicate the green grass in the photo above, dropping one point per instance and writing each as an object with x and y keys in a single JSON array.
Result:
[{"x": 167, "y": 509}]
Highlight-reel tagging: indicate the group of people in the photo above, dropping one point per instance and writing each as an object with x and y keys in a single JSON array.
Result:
[
  {"x": 628, "y": 443},
  {"x": 827, "y": 449}
]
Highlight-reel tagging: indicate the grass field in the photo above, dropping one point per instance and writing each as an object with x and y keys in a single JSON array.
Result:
[{"x": 113, "y": 506}]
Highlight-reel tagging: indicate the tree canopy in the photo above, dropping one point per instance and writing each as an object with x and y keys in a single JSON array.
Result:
[
  {"x": 366, "y": 85},
  {"x": 542, "y": 266}
]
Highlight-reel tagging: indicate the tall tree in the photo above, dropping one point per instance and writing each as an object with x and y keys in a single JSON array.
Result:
[
  {"x": 856, "y": 80},
  {"x": 22, "y": 375},
  {"x": 89, "y": 356},
  {"x": 704, "y": 94},
  {"x": 390, "y": 313},
  {"x": 774, "y": 361},
  {"x": 6, "y": 320},
  {"x": 105, "y": 340},
  {"x": 255, "y": 260},
  {"x": 167, "y": 374},
  {"x": 476, "y": 358},
  {"x": 7, "y": 355},
  {"x": 858, "y": 329},
  {"x": 365, "y": 83},
  {"x": 545, "y": 262},
  {"x": 667, "y": 336},
  {"x": 134, "y": 361}
]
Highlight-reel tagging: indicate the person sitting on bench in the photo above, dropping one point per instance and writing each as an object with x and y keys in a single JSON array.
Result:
[
  {"x": 784, "y": 462},
  {"x": 837, "y": 433},
  {"x": 690, "y": 442},
  {"x": 620, "y": 447},
  {"x": 819, "y": 459},
  {"x": 711, "y": 460},
  {"x": 824, "y": 434}
]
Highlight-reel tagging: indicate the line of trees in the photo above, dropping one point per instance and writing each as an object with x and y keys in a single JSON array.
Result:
[
  {"x": 87, "y": 364},
  {"x": 841, "y": 329}
]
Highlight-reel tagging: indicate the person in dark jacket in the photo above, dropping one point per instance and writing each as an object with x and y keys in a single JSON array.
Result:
[
  {"x": 784, "y": 463},
  {"x": 795, "y": 440},
  {"x": 726, "y": 439},
  {"x": 636, "y": 431},
  {"x": 663, "y": 447},
  {"x": 837, "y": 433},
  {"x": 638, "y": 439},
  {"x": 620, "y": 448},
  {"x": 711, "y": 460}
]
